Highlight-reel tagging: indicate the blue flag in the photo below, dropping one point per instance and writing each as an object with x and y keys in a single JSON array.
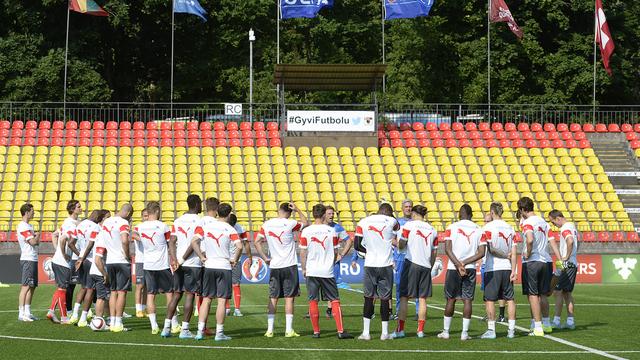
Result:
[
  {"x": 189, "y": 7},
  {"x": 302, "y": 8},
  {"x": 398, "y": 9}
]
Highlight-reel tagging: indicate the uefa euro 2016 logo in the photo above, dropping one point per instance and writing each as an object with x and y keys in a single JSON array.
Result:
[{"x": 254, "y": 271}]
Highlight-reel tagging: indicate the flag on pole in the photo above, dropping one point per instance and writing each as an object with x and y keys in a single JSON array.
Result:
[
  {"x": 302, "y": 8},
  {"x": 88, "y": 7},
  {"x": 189, "y": 7},
  {"x": 603, "y": 36},
  {"x": 398, "y": 9},
  {"x": 499, "y": 12}
]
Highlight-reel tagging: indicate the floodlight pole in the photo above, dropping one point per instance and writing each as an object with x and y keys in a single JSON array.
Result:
[{"x": 252, "y": 38}]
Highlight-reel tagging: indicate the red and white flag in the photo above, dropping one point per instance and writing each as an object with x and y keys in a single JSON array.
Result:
[
  {"x": 500, "y": 12},
  {"x": 603, "y": 36}
]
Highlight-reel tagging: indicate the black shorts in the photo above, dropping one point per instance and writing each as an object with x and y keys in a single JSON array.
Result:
[
  {"x": 548, "y": 278},
  {"x": 188, "y": 279},
  {"x": 415, "y": 281},
  {"x": 119, "y": 277},
  {"x": 236, "y": 273},
  {"x": 75, "y": 274},
  {"x": 158, "y": 281},
  {"x": 96, "y": 282},
  {"x": 216, "y": 283},
  {"x": 140, "y": 274},
  {"x": 378, "y": 282},
  {"x": 83, "y": 274},
  {"x": 498, "y": 285},
  {"x": 325, "y": 286},
  {"x": 567, "y": 280},
  {"x": 62, "y": 275},
  {"x": 29, "y": 273},
  {"x": 535, "y": 280},
  {"x": 284, "y": 282},
  {"x": 460, "y": 287}
]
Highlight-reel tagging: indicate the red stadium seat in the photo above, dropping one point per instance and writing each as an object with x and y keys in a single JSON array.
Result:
[
  {"x": 85, "y": 134},
  {"x": 531, "y": 143},
  {"x": 394, "y": 134},
  {"x": 97, "y": 125},
  {"x": 44, "y": 141},
  {"x": 410, "y": 143},
  {"x": 396, "y": 143},
  {"x": 244, "y": 126},
  {"x": 613, "y": 128},
  {"x": 179, "y": 134},
  {"x": 111, "y": 134},
  {"x": 233, "y": 134},
  {"x": 205, "y": 126},
  {"x": 579, "y": 135},
  {"x": 71, "y": 142},
  {"x": 179, "y": 126},
  {"x": 510, "y": 127},
  {"x": 633, "y": 236},
  {"x": 632, "y": 136},
  {"x": 584, "y": 144},
  {"x": 636, "y": 128},
  {"x": 126, "y": 142},
  {"x": 407, "y": 134},
  {"x": 474, "y": 134},
  {"x": 523, "y": 127},
  {"x": 382, "y": 134},
  {"x": 31, "y": 124},
  {"x": 566, "y": 135},
  {"x": 445, "y": 127},
  {"x": 57, "y": 141},
  {"x": 575, "y": 127},
  {"x": 206, "y": 134},
  {"x": 430, "y": 126},
  {"x": 152, "y": 125},
  {"x": 562, "y": 127},
  {"x": 232, "y": 125},
  {"x": 588, "y": 236},
  {"x": 557, "y": 144},
  {"x": 488, "y": 135},
  {"x": 514, "y": 135},
  {"x": 553, "y": 135},
  {"x": 626, "y": 128},
  {"x": 193, "y": 134},
  {"x": 405, "y": 126},
  {"x": 447, "y": 134},
  {"x": 153, "y": 134},
  {"x": 273, "y": 134},
  {"x": 42, "y": 133},
  {"x": 423, "y": 143},
  {"x": 417, "y": 126},
  {"x": 501, "y": 135},
  {"x": 260, "y": 134},
  {"x": 137, "y": 142},
  {"x": 125, "y": 125},
  {"x": 549, "y": 127},
  {"x": 601, "y": 128},
  {"x": 535, "y": 127},
  {"x": 437, "y": 143},
  {"x": 477, "y": 143},
  {"x": 518, "y": 143},
  {"x": 166, "y": 142},
  {"x": 58, "y": 133},
  {"x": 497, "y": 127},
  {"x": 30, "y": 133},
  {"x": 29, "y": 142},
  {"x": 470, "y": 126},
  {"x": 207, "y": 142},
  {"x": 435, "y": 134},
  {"x": 457, "y": 126},
  {"x": 58, "y": 124},
  {"x": 247, "y": 142},
  {"x": 258, "y": 126},
  {"x": 44, "y": 124},
  {"x": 220, "y": 134},
  {"x": 165, "y": 125},
  {"x": 124, "y": 134},
  {"x": 16, "y": 133},
  {"x": 463, "y": 143},
  {"x": 112, "y": 142},
  {"x": 604, "y": 236},
  {"x": 505, "y": 143},
  {"x": 635, "y": 144},
  {"x": 527, "y": 135},
  {"x": 180, "y": 142},
  {"x": 570, "y": 144},
  {"x": 138, "y": 125},
  {"x": 618, "y": 236},
  {"x": 17, "y": 124},
  {"x": 544, "y": 143},
  {"x": 96, "y": 134},
  {"x": 271, "y": 126},
  {"x": 421, "y": 134},
  {"x": 484, "y": 126},
  {"x": 491, "y": 143},
  {"x": 5, "y": 124},
  {"x": 588, "y": 128},
  {"x": 275, "y": 143},
  {"x": 193, "y": 143},
  {"x": 218, "y": 126},
  {"x": 192, "y": 125},
  {"x": 383, "y": 143},
  {"x": 153, "y": 142},
  {"x": 112, "y": 125},
  {"x": 540, "y": 135},
  {"x": 461, "y": 134}
]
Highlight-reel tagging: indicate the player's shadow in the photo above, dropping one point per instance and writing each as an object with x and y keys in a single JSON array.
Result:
[
  {"x": 246, "y": 332},
  {"x": 581, "y": 327}
]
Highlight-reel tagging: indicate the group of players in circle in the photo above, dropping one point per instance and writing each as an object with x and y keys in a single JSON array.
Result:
[{"x": 197, "y": 259}]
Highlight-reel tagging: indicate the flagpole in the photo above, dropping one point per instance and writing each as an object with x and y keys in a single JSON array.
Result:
[
  {"x": 595, "y": 34},
  {"x": 172, "y": 48},
  {"x": 489, "y": 57},
  {"x": 384, "y": 77},
  {"x": 278, "y": 33},
  {"x": 66, "y": 54}
]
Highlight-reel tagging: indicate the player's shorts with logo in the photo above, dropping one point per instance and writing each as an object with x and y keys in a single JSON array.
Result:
[
  {"x": 534, "y": 278},
  {"x": 158, "y": 281},
  {"x": 96, "y": 282},
  {"x": 75, "y": 274},
  {"x": 378, "y": 282},
  {"x": 62, "y": 275},
  {"x": 119, "y": 277},
  {"x": 498, "y": 285},
  {"x": 284, "y": 282},
  {"x": 460, "y": 287},
  {"x": 216, "y": 283},
  {"x": 83, "y": 274},
  {"x": 140, "y": 274},
  {"x": 567, "y": 279},
  {"x": 188, "y": 279},
  {"x": 415, "y": 281},
  {"x": 236, "y": 273},
  {"x": 327, "y": 287},
  {"x": 29, "y": 273},
  {"x": 549, "y": 276}
]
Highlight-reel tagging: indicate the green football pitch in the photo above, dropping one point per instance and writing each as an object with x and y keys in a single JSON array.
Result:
[{"x": 607, "y": 319}]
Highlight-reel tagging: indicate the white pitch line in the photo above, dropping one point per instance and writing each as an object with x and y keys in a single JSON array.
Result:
[
  {"x": 553, "y": 338},
  {"x": 244, "y": 348}
]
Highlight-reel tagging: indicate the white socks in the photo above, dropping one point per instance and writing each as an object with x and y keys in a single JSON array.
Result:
[
  {"x": 76, "y": 310},
  {"x": 385, "y": 327},
  {"x": 537, "y": 326},
  {"x": 167, "y": 324},
  {"x": 138, "y": 307},
  {"x": 271, "y": 318},
  {"x": 201, "y": 326},
  {"x": 447, "y": 323},
  {"x": 185, "y": 325},
  {"x": 153, "y": 321},
  {"x": 491, "y": 325},
  {"x": 570, "y": 320},
  {"x": 219, "y": 328},
  {"x": 545, "y": 321},
  {"x": 174, "y": 321},
  {"x": 366, "y": 325},
  {"x": 20, "y": 312},
  {"x": 467, "y": 322},
  {"x": 83, "y": 317},
  {"x": 512, "y": 324},
  {"x": 288, "y": 322}
]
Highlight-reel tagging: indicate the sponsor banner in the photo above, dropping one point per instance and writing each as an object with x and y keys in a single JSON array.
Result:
[
  {"x": 632, "y": 210},
  {"x": 341, "y": 121},
  {"x": 627, "y": 192},
  {"x": 621, "y": 268},
  {"x": 622, "y": 173}
]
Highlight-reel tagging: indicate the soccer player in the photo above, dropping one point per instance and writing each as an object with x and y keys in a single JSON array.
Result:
[
  {"x": 98, "y": 275},
  {"x": 141, "y": 292},
  {"x": 399, "y": 254},
  {"x": 159, "y": 264},
  {"x": 463, "y": 247},
  {"x": 29, "y": 241},
  {"x": 236, "y": 272},
  {"x": 87, "y": 232},
  {"x": 318, "y": 251},
  {"x": 346, "y": 243},
  {"x": 118, "y": 263},
  {"x": 376, "y": 235},
  {"x": 61, "y": 262},
  {"x": 188, "y": 277},
  {"x": 500, "y": 269},
  {"x": 567, "y": 279},
  {"x": 211, "y": 242},
  {"x": 420, "y": 240},
  {"x": 283, "y": 279}
]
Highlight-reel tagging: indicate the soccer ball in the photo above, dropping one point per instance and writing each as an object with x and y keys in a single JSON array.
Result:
[{"x": 97, "y": 324}]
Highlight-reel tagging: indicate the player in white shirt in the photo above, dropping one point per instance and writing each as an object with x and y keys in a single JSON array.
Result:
[
  {"x": 98, "y": 275},
  {"x": 116, "y": 241},
  {"x": 568, "y": 263},
  {"x": 211, "y": 242},
  {"x": 159, "y": 264},
  {"x": 87, "y": 231},
  {"x": 141, "y": 289},
  {"x": 500, "y": 269},
  {"x": 188, "y": 277},
  {"x": 376, "y": 236},
  {"x": 29, "y": 241},
  {"x": 464, "y": 247},
  {"x": 236, "y": 272},
  {"x": 419, "y": 241},
  {"x": 318, "y": 252},
  {"x": 283, "y": 279},
  {"x": 61, "y": 262}
]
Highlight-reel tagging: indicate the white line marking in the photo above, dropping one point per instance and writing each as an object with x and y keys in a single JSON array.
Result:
[
  {"x": 180, "y": 346},
  {"x": 553, "y": 338}
]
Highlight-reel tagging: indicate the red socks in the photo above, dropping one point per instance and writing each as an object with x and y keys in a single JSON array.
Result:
[
  {"x": 336, "y": 311},
  {"x": 59, "y": 299},
  {"x": 236, "y": 296},
  {"x": 421, "y": 325},
  {"x": 227, "y": 304},
  {"x": 314, "y": 314},
  {"x": 400, "y": 326}
]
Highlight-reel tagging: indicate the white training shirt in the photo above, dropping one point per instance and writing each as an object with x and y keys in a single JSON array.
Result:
[
  {"x": 25, "y": 233},
  {"x": 282, "y": 244},
  {"x": 67, "y": 231},
  {"x": 87, "y": 231},
  {"x": 569, "y": 230},
  {"x": 377, "y": 232},
  {"x": 139, "y": 249},
  {"x": 112, "y": 228},
  {"x": 465, "y": 237},
  {"x": 216, "y": 238},
  {"x": 421, "y": 240},
  {"x": 499, "y": 235},
  {"x": 540, "y": 229},
  {"x": 244, "y": 237},
  {"x": 321, "y": 242},
  {"x": 183, "y": 229},
  {"x": 99, "y": 251},
  {"x": 154, "y": 236}
]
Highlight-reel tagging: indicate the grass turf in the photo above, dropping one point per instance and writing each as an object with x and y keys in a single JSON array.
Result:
[{"x": 599, "y": 325}]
